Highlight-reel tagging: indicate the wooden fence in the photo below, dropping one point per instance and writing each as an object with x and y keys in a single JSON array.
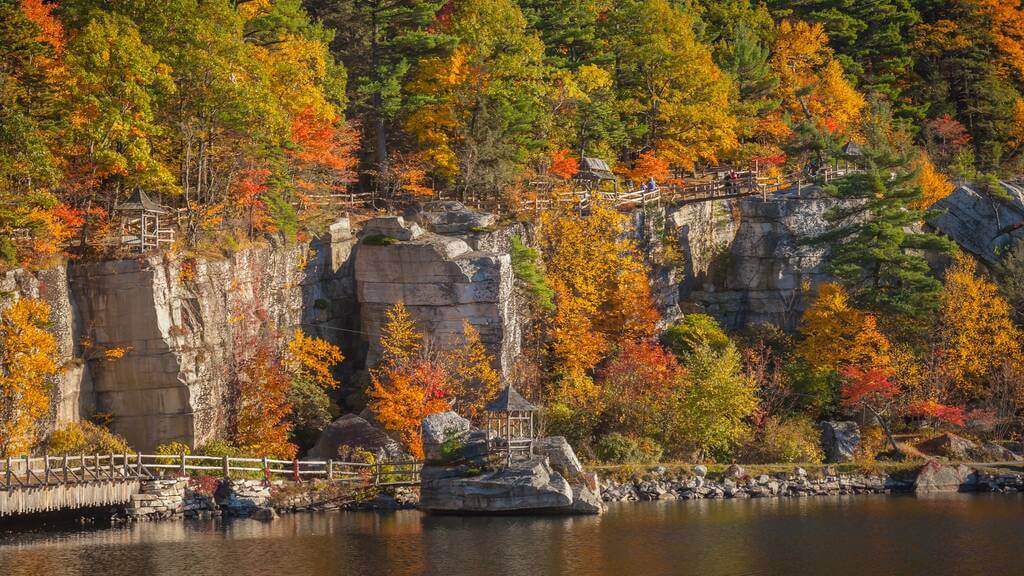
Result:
[{"x": 26, "y": 472}]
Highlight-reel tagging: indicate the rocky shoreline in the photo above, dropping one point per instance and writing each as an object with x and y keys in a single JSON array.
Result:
[{"x": 934, "y": 477}]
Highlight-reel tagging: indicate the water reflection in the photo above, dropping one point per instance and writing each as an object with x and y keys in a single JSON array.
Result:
[{"x": 834, "y": 536}]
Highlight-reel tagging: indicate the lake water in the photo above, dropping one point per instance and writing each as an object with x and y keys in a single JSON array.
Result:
[{"x": 861, "y": 535}]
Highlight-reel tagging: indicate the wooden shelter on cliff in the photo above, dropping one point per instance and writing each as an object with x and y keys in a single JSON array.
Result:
[
  {"x": 145, "y": 224},
  {"x": 595, "y": 173}
]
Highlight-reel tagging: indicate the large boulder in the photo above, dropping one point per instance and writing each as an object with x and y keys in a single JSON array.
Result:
[
  {"x": 560, "y": 455},
  {"x": 982, "y": 226},
  {"x": 391, "y": 226},
  {"x": 935, "y": 477},
  {"x": 526, "y": 486},
  {"x": 992, "y": 452},
  {"x": 449, "y": 217},
  {"x": 839, "y": 440},
  {"x": 444, "y": 435},
  {"x": 349, "y": 434},
  {"x": 950, "y": 446}
]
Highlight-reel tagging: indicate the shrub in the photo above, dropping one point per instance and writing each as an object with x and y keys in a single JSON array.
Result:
[
  {"x": 84, "y": 438},
  {"x": 615, "y": 448},
  {"x": 379, "y": 240},
  {"x": 311, "y": 411},
  {"x": 219, "y": 448},
  {"x": 562, "y": 420},
  {"x": 788, "y": 440},
  {"x": 694, "y": 331},
  {"x": 171, "y": 450},
  {"x": 524, "y": 266}
]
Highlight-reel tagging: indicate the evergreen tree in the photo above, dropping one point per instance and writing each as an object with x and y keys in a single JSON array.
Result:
[
  {"x": 875, "y": 238},
  {"x": 380, "y": 42}
]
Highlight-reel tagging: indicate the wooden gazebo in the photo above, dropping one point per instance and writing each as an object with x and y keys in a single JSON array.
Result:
[
  {"x": 144, "y": 223},
  {"x": 510, "y": 424},
  {"x": 593, "y": 173}
]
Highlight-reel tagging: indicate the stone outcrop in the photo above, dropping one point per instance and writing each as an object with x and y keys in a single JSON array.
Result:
[
  {"x": 351, "y": 433},
  {"x": 441, "y": 281},
  {"x": 839, "y": 440},
  {"x": 949, "y": 445},
  {"x": 460, "y": 477},
  {"x": 747, "y": 259},
  {"x": 449, "y": 217},
  {"x": 936, "y": 477},
  {"x": 529, "y": 485},
  {"x": 979, "y": 223}
]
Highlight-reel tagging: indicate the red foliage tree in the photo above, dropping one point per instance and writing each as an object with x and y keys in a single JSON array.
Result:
[{"x": 563, "y": 164}]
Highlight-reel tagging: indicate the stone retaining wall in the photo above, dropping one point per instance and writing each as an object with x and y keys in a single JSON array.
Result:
[{"x": 662, "y": 485}]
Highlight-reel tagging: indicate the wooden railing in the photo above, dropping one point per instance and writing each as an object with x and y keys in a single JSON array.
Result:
[{"x": 34, "y": 472}]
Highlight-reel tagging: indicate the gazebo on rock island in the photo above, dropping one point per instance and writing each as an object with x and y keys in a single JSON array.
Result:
[{"x": 510, "y": 425}]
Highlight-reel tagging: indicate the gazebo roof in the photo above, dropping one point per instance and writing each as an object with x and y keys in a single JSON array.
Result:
[
  {"x": 509, "y": 400},
  {"x": 595, "y": 167},
  {"x": 852, "y": 149},
  {"x": 141, "y": 201}
]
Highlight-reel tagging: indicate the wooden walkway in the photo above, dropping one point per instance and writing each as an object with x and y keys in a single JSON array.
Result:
[{"x": 51, "y": 483}]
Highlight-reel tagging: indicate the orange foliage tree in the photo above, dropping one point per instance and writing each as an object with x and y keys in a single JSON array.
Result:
[
  {"x": 639, "y": 387},
  {"x": 648, "y": 166},
  {"x": 474, "y": 381},
  {"x": 27, "y": 360},
  {"x": 406, "y": 386},
  {"x": 262, "y": 409},
  {"x": 563, "y": 164}
]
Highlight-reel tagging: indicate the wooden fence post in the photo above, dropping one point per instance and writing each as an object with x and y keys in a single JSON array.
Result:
[
  {"x": 28, "y": 469},
  {"x": 110, "y": 465},
  {"x": 226, "y": 465},
  {"x": 330, "y": 470},
  {"x": 376, "y": 477},
  {"x": 295, "y": 469},
  {"x": 182, "y": 470},
  {"x": 7, "y": 475},
  {"x": 266, "y": 469},
  {"x": 64, "y": 465},
  {"x": 46, "y": 468}
]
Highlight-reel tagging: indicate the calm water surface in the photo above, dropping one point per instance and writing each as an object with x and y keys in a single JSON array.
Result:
[{"x": 865, "y": 535}]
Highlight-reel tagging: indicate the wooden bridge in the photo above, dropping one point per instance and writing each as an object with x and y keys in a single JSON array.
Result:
[{"x": 52, "y": 483}]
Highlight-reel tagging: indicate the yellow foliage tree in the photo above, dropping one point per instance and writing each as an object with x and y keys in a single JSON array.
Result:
[
  {"x": 474, "y": 382},
  {"x": 812, "y": 81},
  {"x": 400, "y": 341},
  {"x": 312, "y": 357},
  {"x": 975, "y": 328},
  {"x": 601, "y": 292},
  {"x": 934, "y": 184},
  {"x": 27, "y": 353},
  {"x": 835, "y": 334}
]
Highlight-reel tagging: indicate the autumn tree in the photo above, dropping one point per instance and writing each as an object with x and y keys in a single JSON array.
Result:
[
  {"x": 382, "y": 43},
  {"x": 406, "y": 386},
  {"x": 262, "y": 409},
  {"x": 675, "y": 97},
  {"x": 481, "y": 106},
  {"x": 835, "y": 334},
  {"x": 602, "y": 296},
  {"x": 641, "y": 388},
  {"x": 309, "y": 362},
  {"x": 874, "y": 389},
  {"x": 975, "y": 328},
  {"x": 474, "y": 381},
  {"x": 27, "y": 361},
  {"x": 714, "y": 411}
]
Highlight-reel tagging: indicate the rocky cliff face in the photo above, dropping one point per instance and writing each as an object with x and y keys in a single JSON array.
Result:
[
  {"x": 185, "y": 323},
  {"x": 747, "y": 259},
  {"x": 441, "y": 281}
]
